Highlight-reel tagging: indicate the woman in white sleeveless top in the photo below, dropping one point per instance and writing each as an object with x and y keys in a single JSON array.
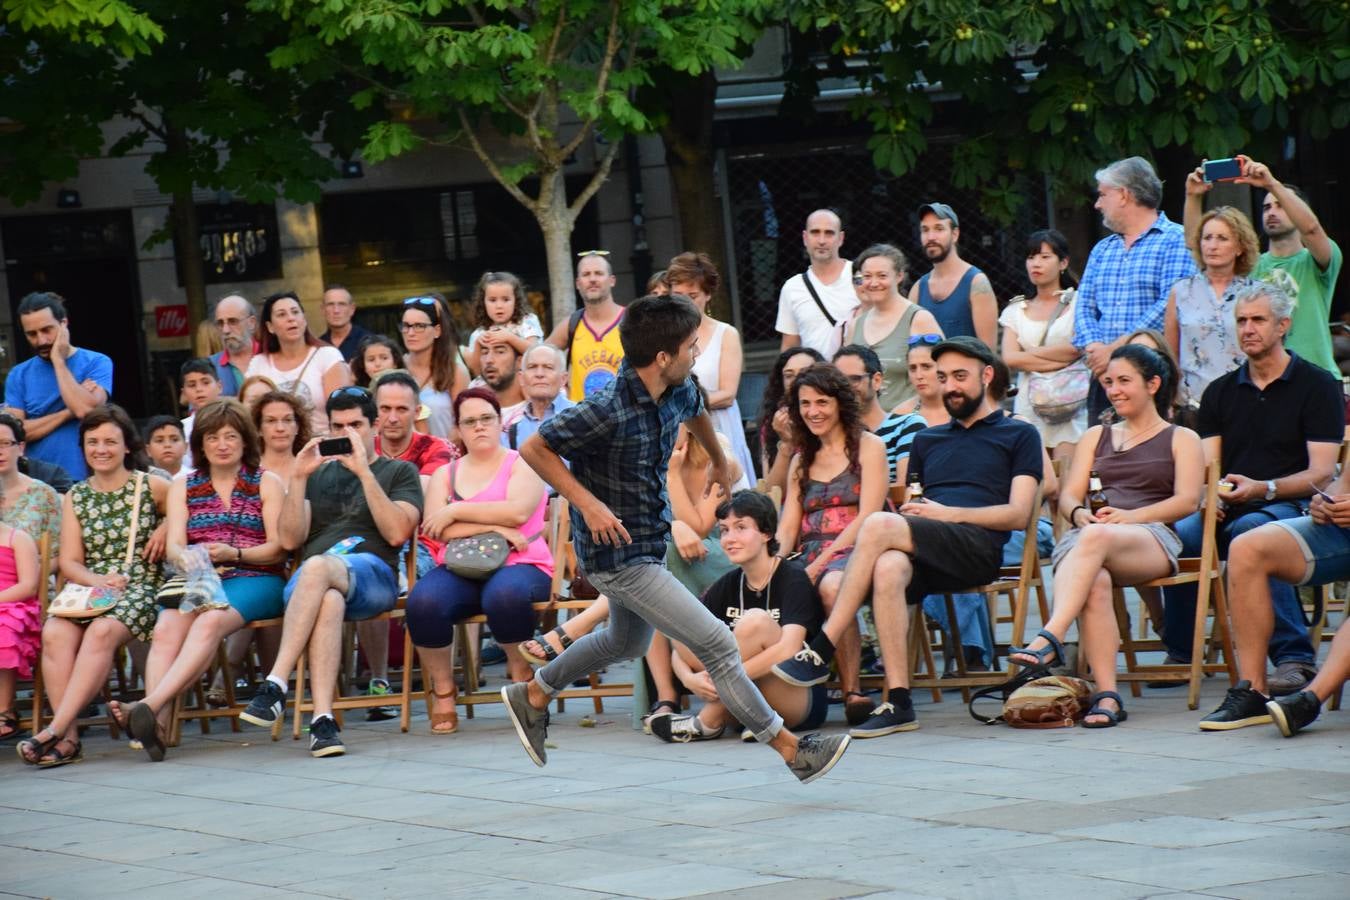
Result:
[
  {"x": 296, "y": 361},
  {"x": 718, "y": 365}
]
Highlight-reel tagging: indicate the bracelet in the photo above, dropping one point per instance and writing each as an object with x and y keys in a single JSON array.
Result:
[{"x": 1073, "y": 512}]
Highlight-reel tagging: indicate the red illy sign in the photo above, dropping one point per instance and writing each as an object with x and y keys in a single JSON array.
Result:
[{"x": 171, "y": 321}]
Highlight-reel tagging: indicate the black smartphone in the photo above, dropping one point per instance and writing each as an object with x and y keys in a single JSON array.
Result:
[
  {"x": 340, "y": 446},
  {"x": 1222, "y": 169}
]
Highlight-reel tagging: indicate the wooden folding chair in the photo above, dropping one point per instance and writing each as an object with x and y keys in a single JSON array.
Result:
[
  {"x": 1206, "y": 572},
  {"x": 364, "y": 701},
  {"x": 558, "y": 535},
  {"x": 201, "y": 711}
]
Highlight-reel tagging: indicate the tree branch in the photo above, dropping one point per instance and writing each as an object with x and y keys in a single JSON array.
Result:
[
  {"x": 601, "y": 175},
  {"x": 149, "y": 126},
  {"x": 602, "y": 78},
  {"x": 514, "y": 190},
  {"x": 476, "y": 14}
]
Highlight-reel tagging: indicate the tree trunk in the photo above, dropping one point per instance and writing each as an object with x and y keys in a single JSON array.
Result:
[
  {"x": 555, "y": 221},
  {"x": 183, "y": 218},
  {"x": 687, "y": 135}
]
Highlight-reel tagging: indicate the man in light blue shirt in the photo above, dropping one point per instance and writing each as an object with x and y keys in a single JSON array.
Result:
[
  {"x": 57, "y": 387},
  {"x": 543, "y": 371},
  {"x": 1130, "y": 272}
]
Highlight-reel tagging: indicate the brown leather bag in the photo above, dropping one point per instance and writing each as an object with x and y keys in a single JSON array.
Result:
[{"x": 1036, "y": 699}]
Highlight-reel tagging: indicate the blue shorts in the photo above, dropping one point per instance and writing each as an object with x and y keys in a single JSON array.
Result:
[
  {"x": 1325, "y": 548},
  {"x": 255, "y": 597},
  {"x": 372, "y": 588}
]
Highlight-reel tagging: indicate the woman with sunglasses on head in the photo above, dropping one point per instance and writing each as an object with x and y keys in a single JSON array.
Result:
[
  {"x": 927, "y": 399},
  {"x": 892, "y": 318},
  {"x": 297, "y": 361},
  {"x": 433, "y": 359}
]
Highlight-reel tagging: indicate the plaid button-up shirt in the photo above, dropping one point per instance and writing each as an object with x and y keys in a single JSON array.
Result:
[
  {"x": 1126, "y": 288},
  {"x": 618, "y": 441}
]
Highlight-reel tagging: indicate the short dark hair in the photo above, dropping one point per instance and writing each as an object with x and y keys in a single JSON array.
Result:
[
  {"x": 1059, "y": 245},
  {"x": 112, "y": 414},
  {"x": 199, "y": 366},
  {"x": 351, "y": 397},
  {"x": 14, "y": 424},
  {"x": 757, "y": 506},
  {"x": 871, "y": 362},
  {"x": 158, "y": 422},
  {"x": 396, "y": 376},
  {"x": 40, "y": 300},
  {"x": 219, "y": 414},
  {"x": 653, "y": 324}
]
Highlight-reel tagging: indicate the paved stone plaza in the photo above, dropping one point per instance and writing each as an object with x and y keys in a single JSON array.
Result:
[{"x": 1153, "y": 808}]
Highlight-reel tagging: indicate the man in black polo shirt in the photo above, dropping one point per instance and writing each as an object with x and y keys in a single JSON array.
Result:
[
  {"x": 979, "y": 474},
  {"x": 1276, "y": 424}
]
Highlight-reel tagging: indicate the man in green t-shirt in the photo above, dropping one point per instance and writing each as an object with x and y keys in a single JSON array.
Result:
[
  {"x": 1301, "y": 259},
  {"x": 350, "y": 512}
]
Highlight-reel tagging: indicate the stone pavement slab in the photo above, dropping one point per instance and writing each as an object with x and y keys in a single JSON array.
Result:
[{"x": 955, "y": 810}]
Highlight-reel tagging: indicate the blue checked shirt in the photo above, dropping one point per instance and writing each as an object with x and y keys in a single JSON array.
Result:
[
  {"x": 1125, "y": 289},
  {"x": 618, "y": 441}
]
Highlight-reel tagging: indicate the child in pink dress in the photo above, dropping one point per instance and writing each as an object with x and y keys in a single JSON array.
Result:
[{"x": 20, "y": 620}]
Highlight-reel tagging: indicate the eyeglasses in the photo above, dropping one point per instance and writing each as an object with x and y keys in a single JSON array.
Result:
[
  {"x": 857, "y": 379},
  {"x": 929, "y": 339},
  {"x": 8, "y": 445},
  {"x": 475, "y": 422},
  {"x": 350, "y": 390},
  {"x": 228, "y": 323},
  {"x": 284, "y": 420},
  {"x": 415, "y": 327},
  {"x": 585, "y": 253}
]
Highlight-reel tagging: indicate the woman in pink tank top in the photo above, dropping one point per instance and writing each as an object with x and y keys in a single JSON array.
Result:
[
  {"x": 1152, "y": 473},
  {"x": 489, "y": 489}
]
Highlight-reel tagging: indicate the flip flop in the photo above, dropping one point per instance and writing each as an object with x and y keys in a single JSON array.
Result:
[{"x": 145, "y": 728}]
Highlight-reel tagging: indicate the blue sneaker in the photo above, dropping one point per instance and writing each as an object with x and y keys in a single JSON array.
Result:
[{"x": 805, "y": 669}]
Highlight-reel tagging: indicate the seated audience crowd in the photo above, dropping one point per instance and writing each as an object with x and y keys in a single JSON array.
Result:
[{"x": 318, "y": 481}]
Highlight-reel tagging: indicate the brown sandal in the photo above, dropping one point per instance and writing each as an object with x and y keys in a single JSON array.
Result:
[
  {"x": 9, "y": 721},
  {"x": 56, "y": 757},
  {"x": 443, "y": 723}
]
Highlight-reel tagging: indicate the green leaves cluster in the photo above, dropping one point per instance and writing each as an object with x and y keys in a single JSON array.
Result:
[
  {"x": 1057, "y": 86},
  {"x": 98, "y": 23}
]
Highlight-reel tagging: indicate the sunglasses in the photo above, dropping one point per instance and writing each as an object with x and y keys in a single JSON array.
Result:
[
  {"x": 430, "y": 304},
  {"x": 929, "y": 339},
  {"x": 350, "y": 391},
  {"x": 585, "y": 253}
]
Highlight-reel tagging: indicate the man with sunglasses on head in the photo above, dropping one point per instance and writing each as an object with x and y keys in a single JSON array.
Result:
[
  {"x": 590, "y": 336},
  {"x": 351, "y": 511}
]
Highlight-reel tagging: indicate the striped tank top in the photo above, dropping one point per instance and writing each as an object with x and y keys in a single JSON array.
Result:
[{"x": 241, "y": 525}]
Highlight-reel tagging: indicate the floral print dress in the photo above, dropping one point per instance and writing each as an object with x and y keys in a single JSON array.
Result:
[
  {"x": 828, "y": 507},
  {"x": 105, "y": 519},
  {"x": 36, "y": 511}
]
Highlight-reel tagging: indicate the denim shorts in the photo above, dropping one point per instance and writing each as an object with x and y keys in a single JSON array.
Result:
[
  {"x": 1325, "y": 548},
  {"x": 371, "y": 586}
]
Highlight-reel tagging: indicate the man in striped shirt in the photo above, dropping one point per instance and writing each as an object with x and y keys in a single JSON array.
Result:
[{"x": 1130, "y": 272}]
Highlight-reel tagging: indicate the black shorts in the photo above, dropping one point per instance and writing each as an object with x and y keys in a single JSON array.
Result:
[{"x": 950, "y": 557}]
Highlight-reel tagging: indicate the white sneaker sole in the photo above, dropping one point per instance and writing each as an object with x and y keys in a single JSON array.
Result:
[
  {"x": 839, "y": 752},
  {"x": 1233, "y": 726},
  {"x": 864, "y": 734},
  {"x": 1280, "y": 719},
  {"x": 538, "y": 759},
  {"x": 339, "y": 750},
  {"x": 246, "y": 716}
]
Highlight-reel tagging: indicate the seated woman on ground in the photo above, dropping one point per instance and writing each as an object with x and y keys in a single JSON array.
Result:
[
  {"x": 771, "y": 608},
  {"x": 229, "y": 507},
  {"x": 776, "y": 440},
  {"x": 489, "y": 489},
  {"x": 96, "y": 527},
  {"x": 838, "y": 477},
  {"x": 1152, "y": 473}
]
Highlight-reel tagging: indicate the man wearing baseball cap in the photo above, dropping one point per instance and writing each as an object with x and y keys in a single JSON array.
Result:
[
  {"x": 979, "y": 474},
  {"x": 957, "y": 294}
]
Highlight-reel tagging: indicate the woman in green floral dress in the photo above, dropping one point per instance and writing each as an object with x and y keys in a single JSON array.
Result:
[{"x": 95, "y": 527}]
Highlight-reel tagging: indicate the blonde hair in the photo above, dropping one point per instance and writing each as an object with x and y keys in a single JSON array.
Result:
[{"x": 1241, "y": 226}]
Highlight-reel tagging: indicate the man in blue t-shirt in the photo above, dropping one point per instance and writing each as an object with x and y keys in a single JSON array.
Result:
[
  {"x": 58, "y": 386},
  {"x": 979, "y": 473}
]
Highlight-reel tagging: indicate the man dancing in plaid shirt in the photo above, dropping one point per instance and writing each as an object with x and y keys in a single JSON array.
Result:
[{"x": 618, "y": 442}]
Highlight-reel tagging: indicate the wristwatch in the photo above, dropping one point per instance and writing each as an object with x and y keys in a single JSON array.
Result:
[{"x": 1270, "y": 490}]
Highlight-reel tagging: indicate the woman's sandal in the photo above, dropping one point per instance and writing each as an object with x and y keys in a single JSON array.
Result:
[
  {"x": 440, "y": 721},
  {"x": 549, "y": 654},
  {"x": 659, "y": 708},
  {"x": 9, "y": 721},
  {"x": 1113, "y": 716},
  {"x": 36, "y": 748},
  {"x": 119, "y": 716},
  {"x": 1051, "y": 654},
  {"x": 54, "y": 757},
  {"x": 144, "y": 727},
  {"x": 857, "y": 712}
]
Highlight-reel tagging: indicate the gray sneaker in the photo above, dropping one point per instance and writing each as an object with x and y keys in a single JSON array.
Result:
[
  {"x": 1290, "y": 678},
  {"x": 531, "y": 724},
  {"x": 816, "y": 755}
]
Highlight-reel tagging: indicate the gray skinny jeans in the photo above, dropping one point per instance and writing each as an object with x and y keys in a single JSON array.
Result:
[{"x": 643, "y": 596}]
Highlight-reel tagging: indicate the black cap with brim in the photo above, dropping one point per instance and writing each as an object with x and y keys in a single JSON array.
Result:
[{"x": 966, "y": 346}]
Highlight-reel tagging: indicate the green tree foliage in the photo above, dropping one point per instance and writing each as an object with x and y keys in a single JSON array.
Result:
[
  {"x": 549, "y": 75},
  {"x": 1057, "y": 86},
  {"x": 205, "y": 104},
  {"x": 98, "y": 23}
]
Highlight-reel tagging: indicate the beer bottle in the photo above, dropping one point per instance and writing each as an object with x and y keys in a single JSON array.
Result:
[
  {"x": 915, "y": 489},
  {"x": 1096, "y": 499}
]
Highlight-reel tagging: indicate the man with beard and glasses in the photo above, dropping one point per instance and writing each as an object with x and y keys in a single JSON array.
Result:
[
  {"x": 1302, "y": 260},
  {"x": 57, "y": 387},
  {"x": 979, "y": 474},
  {"x": 590, "y": 336},
  {"x": 1130, "y": 272},
  {"x": 811, "y": 305},
  {"x": 237, "y": 322},
  {"x": 497, "y": 365},
  {"x": 958, "y": 294}
]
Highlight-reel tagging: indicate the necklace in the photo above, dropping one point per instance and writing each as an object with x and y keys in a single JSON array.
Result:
[
  {"x": 1139, "y": 438},
  {"x": 767, "y": 589}
]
